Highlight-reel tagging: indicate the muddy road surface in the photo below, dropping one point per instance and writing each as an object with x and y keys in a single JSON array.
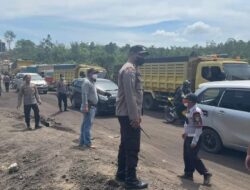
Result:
[{"x": 48, "y": 158}]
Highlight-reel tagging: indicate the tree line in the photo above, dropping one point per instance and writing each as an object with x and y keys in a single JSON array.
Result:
[{"x": 50, "y": 52}]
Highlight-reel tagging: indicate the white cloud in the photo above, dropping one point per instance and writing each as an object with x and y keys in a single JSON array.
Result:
[
  {"x": 202, "y": 20},
  {"x": 129, "y": 12},
  {"x": 172, "y": 37},
  {"x": 200, "y": 28},
  {"x": 182, "y": 35},
  {"x": 165, "y": 33}
]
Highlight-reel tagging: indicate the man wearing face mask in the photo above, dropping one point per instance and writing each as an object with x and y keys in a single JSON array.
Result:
[
  {"x": 129, "y": 110},
  {"x": 192, "y": 141},
  {"x": 62, "y": 93},
  {"x": 88, "y": 107},
  {"x": 29, "y": 94}
]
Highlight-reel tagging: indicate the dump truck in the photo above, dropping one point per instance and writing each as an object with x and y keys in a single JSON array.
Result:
[
  {"x": 20, "y": 64},
  {"x": 40, "y": 69},
  {"x": 162, "y": 76},
  {"x": 72, "y": 71}
]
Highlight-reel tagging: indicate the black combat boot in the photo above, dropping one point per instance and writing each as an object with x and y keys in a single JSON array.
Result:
[
  {"x": 37, "y": 126},
  {"x": 28, "y": 127},
  {"x": 207, "y": 179},
  {"x": 132, "y": 182},
  {"x": 120, "y": 175},
  {"x": 187, "y": 176}
]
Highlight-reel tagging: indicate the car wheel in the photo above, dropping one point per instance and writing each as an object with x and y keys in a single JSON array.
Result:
[
  {"x": 46, "y": 92},
  {"x": 148, "y": 102},
  {"x": 211, "y": 141}
]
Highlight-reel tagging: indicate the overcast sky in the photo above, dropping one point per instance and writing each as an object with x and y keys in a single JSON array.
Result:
[{"x": 161, "y": 23}]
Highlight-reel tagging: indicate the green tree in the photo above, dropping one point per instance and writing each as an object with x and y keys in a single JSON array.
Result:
[
  {"x": 25, "y": 49},
  {"x": 9, "y": 37},
  {"x": 45, "y": 50}
]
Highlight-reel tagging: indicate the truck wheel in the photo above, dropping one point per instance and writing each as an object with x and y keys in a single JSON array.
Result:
[
  {"x": 211, "y": 141},
  {"x": 148, "y": 102}
]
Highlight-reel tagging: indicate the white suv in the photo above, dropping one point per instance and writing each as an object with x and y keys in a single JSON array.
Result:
[{"x": 226, "y": 108}]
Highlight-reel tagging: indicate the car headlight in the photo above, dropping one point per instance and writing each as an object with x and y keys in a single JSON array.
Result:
[{"x": 103, "y": 98}]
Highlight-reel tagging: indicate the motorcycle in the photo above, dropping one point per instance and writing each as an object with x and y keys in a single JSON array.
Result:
[{"x": 170, "y": 112}]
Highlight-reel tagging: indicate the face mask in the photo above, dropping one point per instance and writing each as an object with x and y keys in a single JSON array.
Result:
[
  {"x": 94, "y": 76},
  {"x": 139, "y": 61},
  {"x": 62, "y": 78},
  {"x": 186, "y": 104}
]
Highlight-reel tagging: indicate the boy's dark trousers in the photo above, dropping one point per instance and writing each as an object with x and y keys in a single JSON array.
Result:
[
  {"x": 191, "y": 159},
  {"x": 27, "y": 109}
]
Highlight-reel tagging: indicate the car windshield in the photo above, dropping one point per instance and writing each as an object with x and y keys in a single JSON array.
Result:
[
  {"x": 106, "y": 85},
  {"x": 236, "y": 71},
  {"x": 36, "y": 77}
]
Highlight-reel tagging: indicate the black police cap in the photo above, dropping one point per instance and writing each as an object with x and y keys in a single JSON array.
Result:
[
  {"x": 192, "y": 97},
  {"x": 138, "y": 49}
]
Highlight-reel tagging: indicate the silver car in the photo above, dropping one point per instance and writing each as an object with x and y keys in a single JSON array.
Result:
[
  {"x": 226, "y": 108},
  {"x": 36, "y": 79}
]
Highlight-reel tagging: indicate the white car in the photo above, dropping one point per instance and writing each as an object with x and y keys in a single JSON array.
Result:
[
  {"x": 226, "y": 108},
  {"x": 36, "y": 79}
]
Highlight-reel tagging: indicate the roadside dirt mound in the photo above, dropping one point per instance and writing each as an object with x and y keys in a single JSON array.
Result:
[{"x": 48, "y": 159}]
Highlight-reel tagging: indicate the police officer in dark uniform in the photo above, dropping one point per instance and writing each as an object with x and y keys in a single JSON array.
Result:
[{"x": 129, "y": 110}]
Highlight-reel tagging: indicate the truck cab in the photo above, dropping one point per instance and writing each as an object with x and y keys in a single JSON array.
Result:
[
  {"x": 161, "y": 76},
  {"x": 221, "y": 69}
]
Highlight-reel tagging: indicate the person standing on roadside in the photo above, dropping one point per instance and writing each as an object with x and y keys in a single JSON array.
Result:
[
  {"x": 61, "y": 89},
  {"x": 0, "y": 84},
  {"x": 88, "y": 107},
  {"x": 247, "y": 162},
  {"x": 192, "y": 141},
  {"x": 6, "y": 81},
  {"x": 129, "y": 111},
  {"x": 29, "y": 94}
]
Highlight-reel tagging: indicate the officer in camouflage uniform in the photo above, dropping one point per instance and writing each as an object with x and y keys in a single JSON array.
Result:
[{"x": 129, "y": 110}]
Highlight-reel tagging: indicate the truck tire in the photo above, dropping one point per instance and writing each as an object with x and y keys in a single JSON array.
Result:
[
  {"x": 211, "y": 141},
  {"x": 148, "y": 102}
]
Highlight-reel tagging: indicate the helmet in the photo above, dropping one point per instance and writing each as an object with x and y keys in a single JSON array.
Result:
[{"x": 186, "y": 84}]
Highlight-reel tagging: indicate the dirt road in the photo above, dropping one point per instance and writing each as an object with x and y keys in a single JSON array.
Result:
[{"x": 48, "y": 158}]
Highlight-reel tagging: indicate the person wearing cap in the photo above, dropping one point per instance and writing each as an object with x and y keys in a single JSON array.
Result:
[
  {"x": 192, "y": 141},
  {"x": 6, "y": 81},
  {"x": 247, "y": 160},
  {"x": 0, "y": 84},
  {"x": 129, "y": 110},
  {"x": 61, "y": 90},
  {"x": 88, "y": 107},
  {"x": 29, "y": 94},
  {"x": 181, "y": 93}
]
